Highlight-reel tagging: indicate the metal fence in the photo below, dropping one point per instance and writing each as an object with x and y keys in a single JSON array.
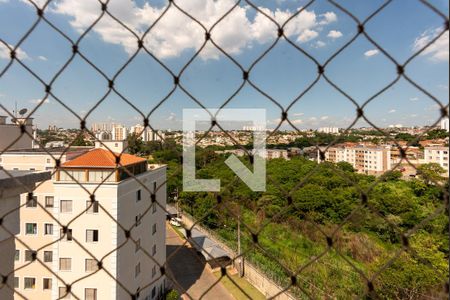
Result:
[{"x": 293, "y": 277}]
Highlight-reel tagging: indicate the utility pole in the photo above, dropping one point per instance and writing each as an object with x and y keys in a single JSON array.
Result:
[{"x": 241, "y": 260}]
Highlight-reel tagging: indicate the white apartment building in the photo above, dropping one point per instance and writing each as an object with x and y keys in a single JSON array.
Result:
[
  {"x": 96, "y": 127},
  {"x": 146, "y": 134},
  {"x": 124, "y": 200},
  {"x": 10, "y": 191},
  {"x": 437, "y": 155},
  {"x": 444, "y": 125},
  {"x": 328, "y": 130},
  {"x": 119, "y": 133},
  {"x": 368, "y": 160}
]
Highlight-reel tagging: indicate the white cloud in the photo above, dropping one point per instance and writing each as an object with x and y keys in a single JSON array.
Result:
[
  {"x": 298, "y": 114},
  {"x": 42, "y": 58},
  {"x": 392, "y": 111},
  {"x": 443, "y": 86},
  {"x": 327, "y": 18},
  {"x": 172, "y": 117},
  {"x": 307, "y": 35},
  {"x": 5, "y": 52},
  {"x": 372, "y": 52},
  {"x": 38, "y": 101},
  {"x": 323, "y": 118},
  {"x": 297, "y": 122},
  {"x": 334, "y": 34},
  {"x": 319, "y": 44},
  {"x": 176, "y": 33},
  {"x": 414, "y": 99},
  {"x": 439, "y": 50}
]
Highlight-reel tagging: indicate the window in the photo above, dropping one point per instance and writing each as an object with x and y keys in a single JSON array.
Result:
[
  {"x": 16, "y": 282},
  {"x": 153, "y": 229},
  {"x": 32, "y": 169},
  {"x": 154, "y": 187},
  {"x": 30, "y": 228},
  {"x": 68, "y": 236},
  {"x": 90, "y": 294},
  {"x": 138, "y": 195},
  {"x": 17, "y": 255},
  {"x": 153, "y": 271},
  {"x": 31, "y": 202},
  {"x": 66, "y": 206},
  {"x": 153, "y": 292},
  {"x": 48, "y": 160},
  {"x": 138, "y": 245},
  {"x": 48, "y": 229},
  {"x": 138, "y": 220},
  {"x": 47, "y": 284},
  {"x": 29, "y": 283},
  {"x": 48, "y": 256},
  {"x": 65, "y": 264},
  {"x": 49, "y": 201},
  {"x": 91, "y": 209},
  {"x": 154, "y": 250},
  {"x": 137, "y": 270},
  {"x": 90, "y": 265},
  {"x": 29, "y": 255},
  {"x": 62, "y": 293},
  {"x": 91, "y": 235},
  {"x": 154, "y": 208}
]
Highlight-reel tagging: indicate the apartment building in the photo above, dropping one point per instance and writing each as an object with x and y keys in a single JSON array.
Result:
[
  {"x": 437, "y": 155},
  {"x": 119, "y": 133},
  {"x": 12, "y": 185},
  {"x": 119, "y": 199},
  {"x": 36, "y": 227},
  {"x": 444, "y": 124},
  {"x": 368, "y": 160}
]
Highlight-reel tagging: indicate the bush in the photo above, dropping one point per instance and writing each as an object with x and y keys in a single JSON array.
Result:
[{"x": 172, "y": 295}]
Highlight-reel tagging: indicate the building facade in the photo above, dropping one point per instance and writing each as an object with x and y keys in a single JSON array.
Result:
[
  {"x": 367, "y": 160},
  {"x": 93, "y": 231},
  {"x": 9, "y": 132},
  {"x": 438, "y": 155}
]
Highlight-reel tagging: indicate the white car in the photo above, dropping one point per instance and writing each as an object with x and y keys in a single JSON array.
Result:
[{"x": 175, "y": 222}]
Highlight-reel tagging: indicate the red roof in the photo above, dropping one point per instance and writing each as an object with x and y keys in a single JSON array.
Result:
[{"x": 101, "y": 158}]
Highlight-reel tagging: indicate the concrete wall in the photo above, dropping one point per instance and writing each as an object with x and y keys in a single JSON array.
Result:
[
  {"x": 253, "y": 275},
  {"x": 9, "y": 133}
]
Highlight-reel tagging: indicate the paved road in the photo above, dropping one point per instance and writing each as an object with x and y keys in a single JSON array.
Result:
[{"x": 190, "y": 271}]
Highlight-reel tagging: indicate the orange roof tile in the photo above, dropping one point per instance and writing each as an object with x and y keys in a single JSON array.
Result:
[{"x": 101, "y": 158}]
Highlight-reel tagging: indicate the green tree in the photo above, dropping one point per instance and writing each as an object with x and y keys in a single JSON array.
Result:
[
  {"x": 430, "y": 173},
  {"x": 135, "y": 144},
  {"x": 80, "y": 141}
]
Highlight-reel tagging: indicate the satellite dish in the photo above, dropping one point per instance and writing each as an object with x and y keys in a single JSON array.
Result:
[{"x": 23, "y": 111}]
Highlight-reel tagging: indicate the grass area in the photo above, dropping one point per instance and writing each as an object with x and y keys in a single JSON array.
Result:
[
  {"x": 178, "y": 231},
  {"x": 243, "y": 284}
]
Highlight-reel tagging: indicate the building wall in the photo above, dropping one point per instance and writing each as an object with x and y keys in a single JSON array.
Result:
[
  {"x": 107, "y": 231},
  {"x": 437, "y": 155},
  {"x": 10, "y": 132},
  {"x": 38, "y": 162},
  {"x": 372, "y": 161},
  {"x": 128, "y": 209}
]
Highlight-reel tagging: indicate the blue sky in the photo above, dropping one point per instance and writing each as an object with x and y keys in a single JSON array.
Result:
[{"x": 360, "y": 70}]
